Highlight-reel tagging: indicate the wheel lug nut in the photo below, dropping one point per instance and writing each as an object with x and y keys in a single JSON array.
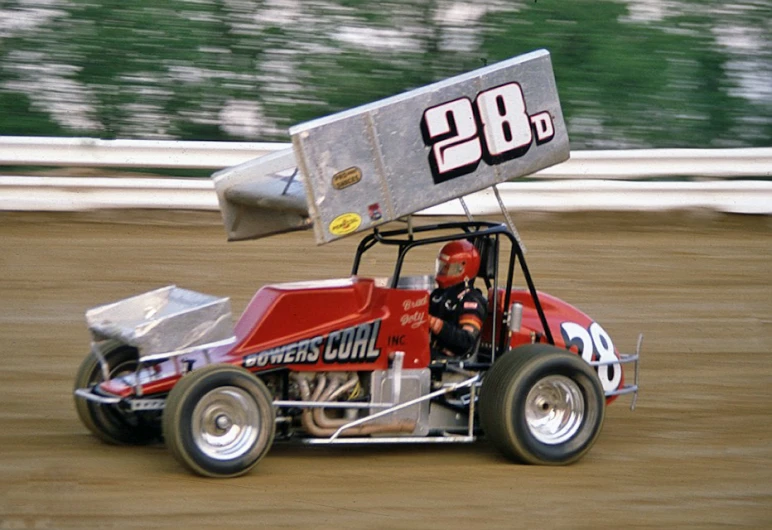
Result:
[{"x": 222, "y": 422}]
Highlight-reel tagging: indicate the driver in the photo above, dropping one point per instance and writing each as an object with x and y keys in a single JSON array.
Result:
[{"x": 456, "y": 310}]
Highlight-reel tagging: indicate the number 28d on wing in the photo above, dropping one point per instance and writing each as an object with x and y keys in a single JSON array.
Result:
[{"x": 495, "y": 128}]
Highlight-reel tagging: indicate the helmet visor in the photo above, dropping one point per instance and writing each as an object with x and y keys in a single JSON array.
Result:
[{"x": 447, "y": 269}]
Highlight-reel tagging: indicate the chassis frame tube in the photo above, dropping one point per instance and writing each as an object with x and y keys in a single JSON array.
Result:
[{"x": 445, "y": 390}]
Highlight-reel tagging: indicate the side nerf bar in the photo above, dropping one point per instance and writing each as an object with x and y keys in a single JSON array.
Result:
[
  {"x": 87, "y": 394},
  {"x": 134, "y": 404}
]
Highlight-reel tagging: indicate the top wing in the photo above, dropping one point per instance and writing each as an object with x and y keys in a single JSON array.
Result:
[
  {"x": 376, "y": 163},
  {"x": 262, "y": 197}
]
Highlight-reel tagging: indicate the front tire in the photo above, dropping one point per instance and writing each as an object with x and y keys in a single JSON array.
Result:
[
  {"x": 542, "y": 405},
  {"x": 219, "y": 421},
  {"x": 111, "y": 423}
]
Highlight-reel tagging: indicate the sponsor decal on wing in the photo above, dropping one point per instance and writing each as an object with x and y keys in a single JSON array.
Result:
[
  {"x": 347, "y": 177},
  {"x": 345, "y": 224}
]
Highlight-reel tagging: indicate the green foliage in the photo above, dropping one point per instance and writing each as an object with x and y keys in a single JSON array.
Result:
[
  {"x": 698, "y": 75},
  {"x": 624, "y": 84},
  {"x": 21, "y": 118}
]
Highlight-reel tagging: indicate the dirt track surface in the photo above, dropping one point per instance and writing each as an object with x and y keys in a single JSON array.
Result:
[{"x": 696, "y": 453}]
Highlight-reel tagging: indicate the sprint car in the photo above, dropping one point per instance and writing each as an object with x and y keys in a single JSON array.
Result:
[{"x": 348, "y": 361}]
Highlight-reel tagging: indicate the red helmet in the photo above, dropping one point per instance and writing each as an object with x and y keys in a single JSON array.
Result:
[{"x": 457, "y": 261}]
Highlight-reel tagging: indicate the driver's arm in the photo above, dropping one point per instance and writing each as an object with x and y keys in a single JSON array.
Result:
[{"x": 462, "y": 336}]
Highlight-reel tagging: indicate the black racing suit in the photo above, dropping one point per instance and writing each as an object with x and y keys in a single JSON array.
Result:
[{"x": 458, "y": 306}]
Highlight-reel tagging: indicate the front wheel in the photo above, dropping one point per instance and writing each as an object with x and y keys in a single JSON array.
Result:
[
  {"x": 219, "y": 421},
  {"x": 542, "y": 405}
]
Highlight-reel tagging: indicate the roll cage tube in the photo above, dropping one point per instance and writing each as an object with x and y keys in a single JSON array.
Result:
[{"x": 405, "y": 239}]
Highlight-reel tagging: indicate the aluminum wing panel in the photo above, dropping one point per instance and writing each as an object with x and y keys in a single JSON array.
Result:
[
  {"x": 164, "y": 321},
  {"x": 262, "y": 197},
  {"x": 382, "y": 161}
]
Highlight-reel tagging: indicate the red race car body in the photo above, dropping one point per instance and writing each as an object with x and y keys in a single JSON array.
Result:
[{"x": 352, "y": 324}]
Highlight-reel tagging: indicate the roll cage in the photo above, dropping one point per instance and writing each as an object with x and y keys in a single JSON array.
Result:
[{"x": 486, "y": 236}]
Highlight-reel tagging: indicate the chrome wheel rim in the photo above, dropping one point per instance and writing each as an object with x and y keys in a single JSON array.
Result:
[
  {"x": 554, "y": 409},
  {"x": 225, "y": 423}
]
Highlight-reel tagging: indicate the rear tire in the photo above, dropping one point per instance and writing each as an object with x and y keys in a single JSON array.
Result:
[
  {"x": 219, "y": 421},
  {"x": 542, "y": 405},
  {"x": 110, "y": 423}
]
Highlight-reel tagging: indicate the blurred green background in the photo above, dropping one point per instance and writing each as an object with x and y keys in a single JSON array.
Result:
[{"x": 631, "y": 73}]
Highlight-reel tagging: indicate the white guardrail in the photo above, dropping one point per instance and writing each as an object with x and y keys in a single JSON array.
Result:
[{"x": 590, "y": 180}]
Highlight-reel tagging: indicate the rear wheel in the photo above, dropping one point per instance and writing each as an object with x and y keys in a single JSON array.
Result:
[
  {"x": 111, "y": 423},
  {"x": 219, "y": 421},
  {"x": 542, "y": 405}
]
